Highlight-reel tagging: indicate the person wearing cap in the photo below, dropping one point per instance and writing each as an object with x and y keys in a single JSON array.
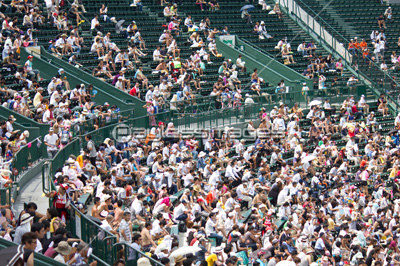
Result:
[
  {"x": 33, "y": 73},
  {"x": 262, "y": 30},
  {"x": 74, "y": 14},
  {"x": 64, "y": 251},
  {"x": 63, "y": 45}
]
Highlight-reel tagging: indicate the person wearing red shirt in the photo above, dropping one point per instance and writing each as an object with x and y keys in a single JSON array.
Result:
[
  {"x": 355, "y": 112},
  {"x": 135, "y": 90}
]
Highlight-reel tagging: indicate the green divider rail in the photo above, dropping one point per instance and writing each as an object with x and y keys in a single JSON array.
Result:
[
  {"x": 28, "y": 155},
  {"x": 50, "y": 67},
  {"x": 39, "y": 259},
  {"x": 101, "y": 86},
  {"x": 23, "y": 122}
]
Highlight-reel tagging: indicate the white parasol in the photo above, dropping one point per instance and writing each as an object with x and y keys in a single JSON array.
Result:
[
  {"x": 308, "y": 158},
  {"x": 315, "y": 102},
  {"x": 184, "y": 251}
]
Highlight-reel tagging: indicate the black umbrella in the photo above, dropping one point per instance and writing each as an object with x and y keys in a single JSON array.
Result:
[
  {"x": 118, "y": 26},
  {"x": 11, "y": 255}
]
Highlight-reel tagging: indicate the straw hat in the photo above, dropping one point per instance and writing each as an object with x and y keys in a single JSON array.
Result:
[
  {"x": 63, "y": 248},
  {"x": 177, "y": 259},
  {"x": 144, "y": 262}
]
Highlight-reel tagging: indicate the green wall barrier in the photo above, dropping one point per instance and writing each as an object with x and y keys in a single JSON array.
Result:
[
  {"x": 27, "y": 155},
  {"x": 105, "y": 90},
  {"x": 50, "y": 69},
  {"x": 24, "y": 122},
  {"x": 272, "y": 70},
  {"x": 40, "y": 259}
]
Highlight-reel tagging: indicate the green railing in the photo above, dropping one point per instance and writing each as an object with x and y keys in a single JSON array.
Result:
[
  {"x": 39, "y": 259},
  {"x": 28, "y": 155},
  {"x": 91, "y": 233},
  {"x": 131, "y": 255},
  {"x": 5, "y": 196},
  {"x": 89, "y": 125},
  {"x": 50, "y": 167},
  {"x": 106, "y": 92}
]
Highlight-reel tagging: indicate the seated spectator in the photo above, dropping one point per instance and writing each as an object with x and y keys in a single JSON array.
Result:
[
  {"x": 381, "y": 22},
  {"x": 246, "y": 16},
  {"x": 339, "y": 66},
  {"x": 278, "y": 11},
  {"x": 263, "y": 31},
  {"x": 388, "y": 13}
]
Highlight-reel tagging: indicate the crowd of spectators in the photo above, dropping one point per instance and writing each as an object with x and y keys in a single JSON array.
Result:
[{"x": 327, "y": 205}]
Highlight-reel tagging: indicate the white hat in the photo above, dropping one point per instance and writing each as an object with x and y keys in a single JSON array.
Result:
[
  {"x": 278, "y": 180},
  {"x": 26, "y": 218},
  {"x": 201, "y": 154}
]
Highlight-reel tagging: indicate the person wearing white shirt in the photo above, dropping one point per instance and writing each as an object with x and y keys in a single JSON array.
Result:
[
  {"x": 188, "y": 22},
  {"x": 215, "y": 178},
  {"x": 241, "y": 64},
  {"x": 157, "y": 55},
  {"x": 230, "y": 172},
  {"x": 180, "y": 212},
  {"x": 229, "y": 222},
  {"x": 95, "y": 24},
  {"x": 291, "y": 127},
  {"x": 243, "y": 193},
  {"x": 188, "y": 179},
  {"x": 211, "y": 228},
  {"x": 149, "y": 94},
  {"x": 284, "y": 210},
  {"x": 279, "y": 124},
  {"x": 377, "y": 51}
]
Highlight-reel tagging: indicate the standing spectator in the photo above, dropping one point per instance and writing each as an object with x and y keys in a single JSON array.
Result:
[
  {"x": 125, "y": 229},
  {"x": 25, "y": 226},
  {"x": 92, "y": 149},
  {"x": 51, "y": 141}
]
